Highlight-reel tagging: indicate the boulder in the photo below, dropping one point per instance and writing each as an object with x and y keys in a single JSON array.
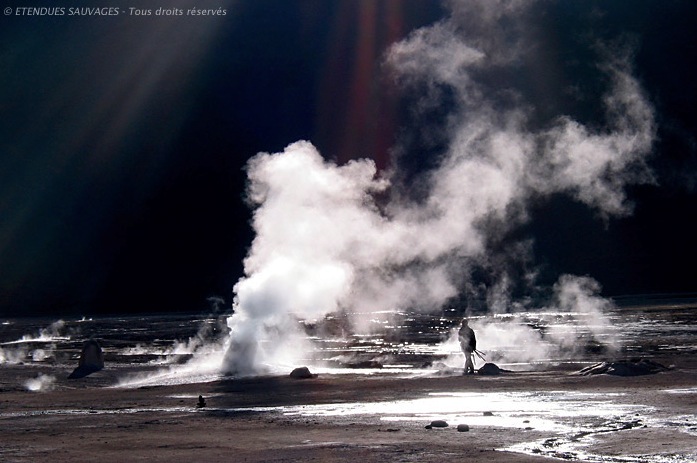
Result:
[
  {"x": 439, "y": 424},
  {"x": 463, "y": 428},
  {"x": 491, "y": 369},
  {"x": 302, "y": 373},
  {"x": 91, "y": 360}
]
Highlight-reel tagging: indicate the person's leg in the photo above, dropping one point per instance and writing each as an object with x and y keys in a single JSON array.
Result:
[{"x": 469, "y": 366}]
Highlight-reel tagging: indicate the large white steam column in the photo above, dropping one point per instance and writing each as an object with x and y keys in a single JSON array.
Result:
[
  {"x": 310, "y": 221},
  {"x": 322, "y": 243}
]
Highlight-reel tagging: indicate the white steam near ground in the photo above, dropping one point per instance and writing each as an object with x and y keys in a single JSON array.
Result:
[
  {"x": 41, "y": 383},
  {"x": 25, "y": 350},
  {"x": 20, "y": 351},
  {"x": 574, "y": 321},
  {"x": 324, "y": 243}
]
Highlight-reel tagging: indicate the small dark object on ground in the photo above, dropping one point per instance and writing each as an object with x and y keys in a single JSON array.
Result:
[
  {"x": 302, "y": 373},
  {"x": 91, "y": 360},
  {"x": 201, "y": 402},
  {"x": 463, "y": 428},
  {"x": 439, "y": 424},
  {"x": 491, "y": 369},
  {"x": 633, "y": 367}
]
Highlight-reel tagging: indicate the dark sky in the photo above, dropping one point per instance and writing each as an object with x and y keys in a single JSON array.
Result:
[{"x": 123, "y": 141}]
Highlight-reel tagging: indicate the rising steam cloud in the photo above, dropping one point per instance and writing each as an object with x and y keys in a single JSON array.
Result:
[{"x": 325, "y": 243}]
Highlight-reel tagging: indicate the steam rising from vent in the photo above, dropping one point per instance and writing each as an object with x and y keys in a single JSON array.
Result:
[
  {"x": 324, "y": 243},
  {"x": 575, "y": 307},
  {"x": 40, "y": 383}
]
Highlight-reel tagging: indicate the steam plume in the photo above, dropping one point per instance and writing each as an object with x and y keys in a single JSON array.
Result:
[
  {"x": 40, "y": 383},
  {"x": 323, "y": 242}
]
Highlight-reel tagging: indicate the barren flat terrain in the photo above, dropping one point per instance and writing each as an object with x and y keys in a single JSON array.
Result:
[{"x": 355, "y": 417}]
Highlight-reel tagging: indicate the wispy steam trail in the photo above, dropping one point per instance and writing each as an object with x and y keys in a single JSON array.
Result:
[{"x": 323, "y": 242}]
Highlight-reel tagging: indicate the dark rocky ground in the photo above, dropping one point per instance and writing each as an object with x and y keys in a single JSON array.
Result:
[{"x": 87, "y": 420}]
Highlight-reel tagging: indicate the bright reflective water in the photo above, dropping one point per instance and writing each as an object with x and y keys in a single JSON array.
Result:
[
  {"x": 571, "y": 421},
  {"x": 544, "y": 411}
]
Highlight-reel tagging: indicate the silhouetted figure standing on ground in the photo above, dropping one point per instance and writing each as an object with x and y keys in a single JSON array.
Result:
[{"x": 468, "y": 344}]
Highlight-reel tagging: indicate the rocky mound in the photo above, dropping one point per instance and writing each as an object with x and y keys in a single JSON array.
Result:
[
  {"x": 302, "y": 373},
  {"x": 491, "y": 369},
  {"x": 91, "y": 360},
  {"x": 633, "y": 367}
]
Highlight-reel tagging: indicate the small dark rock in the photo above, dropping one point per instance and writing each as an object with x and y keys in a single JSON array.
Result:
[
  {"x": 439, "y": 424},
  {"x": 201, "y": 402},
  {"x": 488, "y": 413},
  {"x": 302, "y": 373},
  {"x": 463, "y": 428},
  {"x": 491, "y": 369}
]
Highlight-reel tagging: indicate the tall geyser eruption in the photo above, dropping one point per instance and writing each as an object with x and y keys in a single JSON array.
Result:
[{"x": 325, "y": 242}]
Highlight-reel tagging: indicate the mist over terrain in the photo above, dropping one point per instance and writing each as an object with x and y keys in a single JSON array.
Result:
[
  {"x": 305, "y": 158},
  {"x": 324, "y": 243}
]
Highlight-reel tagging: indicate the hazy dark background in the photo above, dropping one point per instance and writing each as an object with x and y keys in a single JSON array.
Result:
[{"x": 123, "y": 141}]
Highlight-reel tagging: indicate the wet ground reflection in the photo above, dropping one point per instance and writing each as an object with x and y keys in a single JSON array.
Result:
[
  {"x": 395, "y": 343},
  {"x": 561, "y": 424},
  {"x": 545, "y": 411},
  {"x": 570, "y": 421}
]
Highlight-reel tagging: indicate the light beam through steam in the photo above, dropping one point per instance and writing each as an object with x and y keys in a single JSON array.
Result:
[{"x": 325, "y": 243}]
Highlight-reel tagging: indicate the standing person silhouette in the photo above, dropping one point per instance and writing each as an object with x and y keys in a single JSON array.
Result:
[{"x": 468, "y": 344}]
